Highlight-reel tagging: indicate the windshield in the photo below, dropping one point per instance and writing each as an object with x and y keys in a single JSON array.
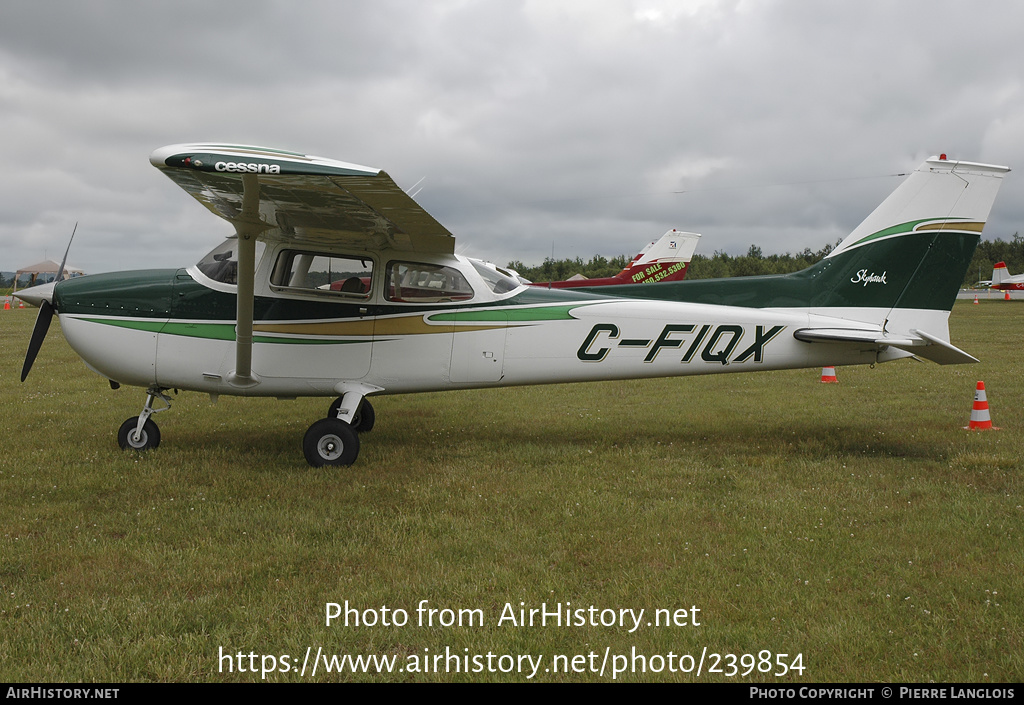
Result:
[
  {"x": 499, "y": 280},
  {"x": 221, "y": 263}
]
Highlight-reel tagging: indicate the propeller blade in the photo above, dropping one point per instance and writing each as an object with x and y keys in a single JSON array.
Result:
[
  {"x": 45, "y": 315},
  {"x": 60, "y": 272},
  {"x": 43, "y": 319}
]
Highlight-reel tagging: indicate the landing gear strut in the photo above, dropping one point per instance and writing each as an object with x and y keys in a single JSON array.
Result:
[
  {"x": 363, "y": 419},
  {"x": 140, "y": 432}
]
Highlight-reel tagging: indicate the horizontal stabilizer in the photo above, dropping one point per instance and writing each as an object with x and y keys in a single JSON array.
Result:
[
  {"x": 922, "y": 344},
  {"x": 941, "y": 352},
  {"x": 841, "y": 335}
]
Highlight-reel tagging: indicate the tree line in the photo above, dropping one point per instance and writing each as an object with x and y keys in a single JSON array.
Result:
[
  {"x": 755, "y": 262},
  {"x": 554, "y": 270},
  {"x": 990, "y": 252}
]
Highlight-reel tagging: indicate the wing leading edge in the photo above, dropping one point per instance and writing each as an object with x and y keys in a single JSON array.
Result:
[{"x": 305, "y": 198}]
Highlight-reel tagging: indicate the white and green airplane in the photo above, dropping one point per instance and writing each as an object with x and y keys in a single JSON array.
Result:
[{"x": 338, "y": 284}]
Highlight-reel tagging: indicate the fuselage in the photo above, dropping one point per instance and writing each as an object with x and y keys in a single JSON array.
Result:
[
  {"x": 1013, "y": 284},
  {"x": 440, "y": 322}
]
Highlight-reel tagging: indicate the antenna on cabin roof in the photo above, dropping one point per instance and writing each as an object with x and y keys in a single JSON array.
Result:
[{"x": 552, "y": 263}]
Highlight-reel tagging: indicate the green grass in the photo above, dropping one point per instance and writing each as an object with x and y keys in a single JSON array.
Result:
[{"x": 856, "y": 524}]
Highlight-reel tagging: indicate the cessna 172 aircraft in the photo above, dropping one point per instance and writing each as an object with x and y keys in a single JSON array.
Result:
[
  {"x": 338, "y": 284},
  {"x": 664, "y": 260}
]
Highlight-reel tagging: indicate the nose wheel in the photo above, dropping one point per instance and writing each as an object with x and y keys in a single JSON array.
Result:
[
  {"x": 130, "y": 438},
  {"x": 140, "y": 432}
]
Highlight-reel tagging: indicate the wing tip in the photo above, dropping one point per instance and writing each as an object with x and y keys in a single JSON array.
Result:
[{"x": 230, "y": 158}]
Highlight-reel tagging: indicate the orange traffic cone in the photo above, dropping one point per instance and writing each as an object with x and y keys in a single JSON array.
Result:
[
  {"x": 975, "y": 298},
  {"x": 828, "y": 375},
  {"x": 980, "y": 419},
  {"x": 7, "y": 303},
  {"x": 1007, "y": 297}
]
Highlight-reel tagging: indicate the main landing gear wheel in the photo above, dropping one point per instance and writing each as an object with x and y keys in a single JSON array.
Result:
[
  {"x": 148, "y": 438},
  {"x": 330, "y": 441},
  {"x": 363, "y": 420}
]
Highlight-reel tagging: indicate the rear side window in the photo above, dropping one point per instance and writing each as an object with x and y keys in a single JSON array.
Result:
[
  {"x": 323, "y": 273},
  {"x": 415, "y": 282}
]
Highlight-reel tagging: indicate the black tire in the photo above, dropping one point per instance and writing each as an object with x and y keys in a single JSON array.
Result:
[
  {"x": 330, "y": 442},
  {"x": 364, "y": 419},
  {"x": 150, "y": 437}
]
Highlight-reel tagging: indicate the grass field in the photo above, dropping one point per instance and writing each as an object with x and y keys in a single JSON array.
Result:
[{"x": 857, "y": 525}]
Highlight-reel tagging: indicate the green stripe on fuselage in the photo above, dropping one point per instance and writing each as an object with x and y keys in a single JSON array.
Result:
[
  {"x": 897, "y": 230},
  {"x": 511, "y": 314}
]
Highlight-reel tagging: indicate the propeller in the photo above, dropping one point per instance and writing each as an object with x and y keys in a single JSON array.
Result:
[{"x": 45, "y": 315}]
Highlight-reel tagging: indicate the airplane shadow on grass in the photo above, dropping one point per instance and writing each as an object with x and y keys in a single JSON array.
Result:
[{"x": 427, "y": 438}]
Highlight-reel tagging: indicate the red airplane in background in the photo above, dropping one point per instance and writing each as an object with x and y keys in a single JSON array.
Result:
[
  {"x": 1004, "y": 281},
  {"x": 662, "y": 260}
]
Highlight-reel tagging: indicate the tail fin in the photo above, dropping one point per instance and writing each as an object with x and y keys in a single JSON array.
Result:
[
  {"x": 664, "y": 259},
  {"x": 900, "y": 270},
  {"x": 913, "y": 251},
  {"x": 1000, "y": 274}
]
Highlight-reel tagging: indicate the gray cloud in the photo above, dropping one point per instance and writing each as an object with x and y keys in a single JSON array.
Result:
[{"x": 538, "y": 125}]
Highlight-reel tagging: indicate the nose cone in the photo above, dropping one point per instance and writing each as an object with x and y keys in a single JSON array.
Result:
[{"x": 37, "y": 294}]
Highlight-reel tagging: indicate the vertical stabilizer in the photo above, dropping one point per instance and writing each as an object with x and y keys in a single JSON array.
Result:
[
  {"x": 939, "y": 195},
  {"x": 999, "y": 273}
]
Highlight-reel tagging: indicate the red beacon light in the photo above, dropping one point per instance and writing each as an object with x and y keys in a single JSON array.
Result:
[{"x": 942, "y": 157}]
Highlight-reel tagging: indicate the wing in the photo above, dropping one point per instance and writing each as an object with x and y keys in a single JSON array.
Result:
[{"x": 304, "y": 198}]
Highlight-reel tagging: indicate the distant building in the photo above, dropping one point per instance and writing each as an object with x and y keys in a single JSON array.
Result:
[{"x": 43, "y": 272}]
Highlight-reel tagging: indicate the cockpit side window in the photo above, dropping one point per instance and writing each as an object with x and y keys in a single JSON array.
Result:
[
  {"x": 221, "y": 263},
  {"x": 349, "y": 276},
  {"x": 416, "y": 282}
]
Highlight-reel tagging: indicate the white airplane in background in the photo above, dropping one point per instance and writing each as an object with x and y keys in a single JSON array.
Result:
[
  {"x": 1004, "y": 281},
  {"x": 338, "y": 284}
]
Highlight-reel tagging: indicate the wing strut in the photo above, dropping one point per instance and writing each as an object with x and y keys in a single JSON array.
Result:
[{"x": 248, "y": 226}]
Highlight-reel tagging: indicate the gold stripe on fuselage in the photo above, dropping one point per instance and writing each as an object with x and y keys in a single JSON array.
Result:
[
  {"x": 401, "y": 325},
  {"x": 973, "y": 227}
]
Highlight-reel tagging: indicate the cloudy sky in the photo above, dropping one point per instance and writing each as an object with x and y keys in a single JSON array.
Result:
[{"x": 577, "y": 127}]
